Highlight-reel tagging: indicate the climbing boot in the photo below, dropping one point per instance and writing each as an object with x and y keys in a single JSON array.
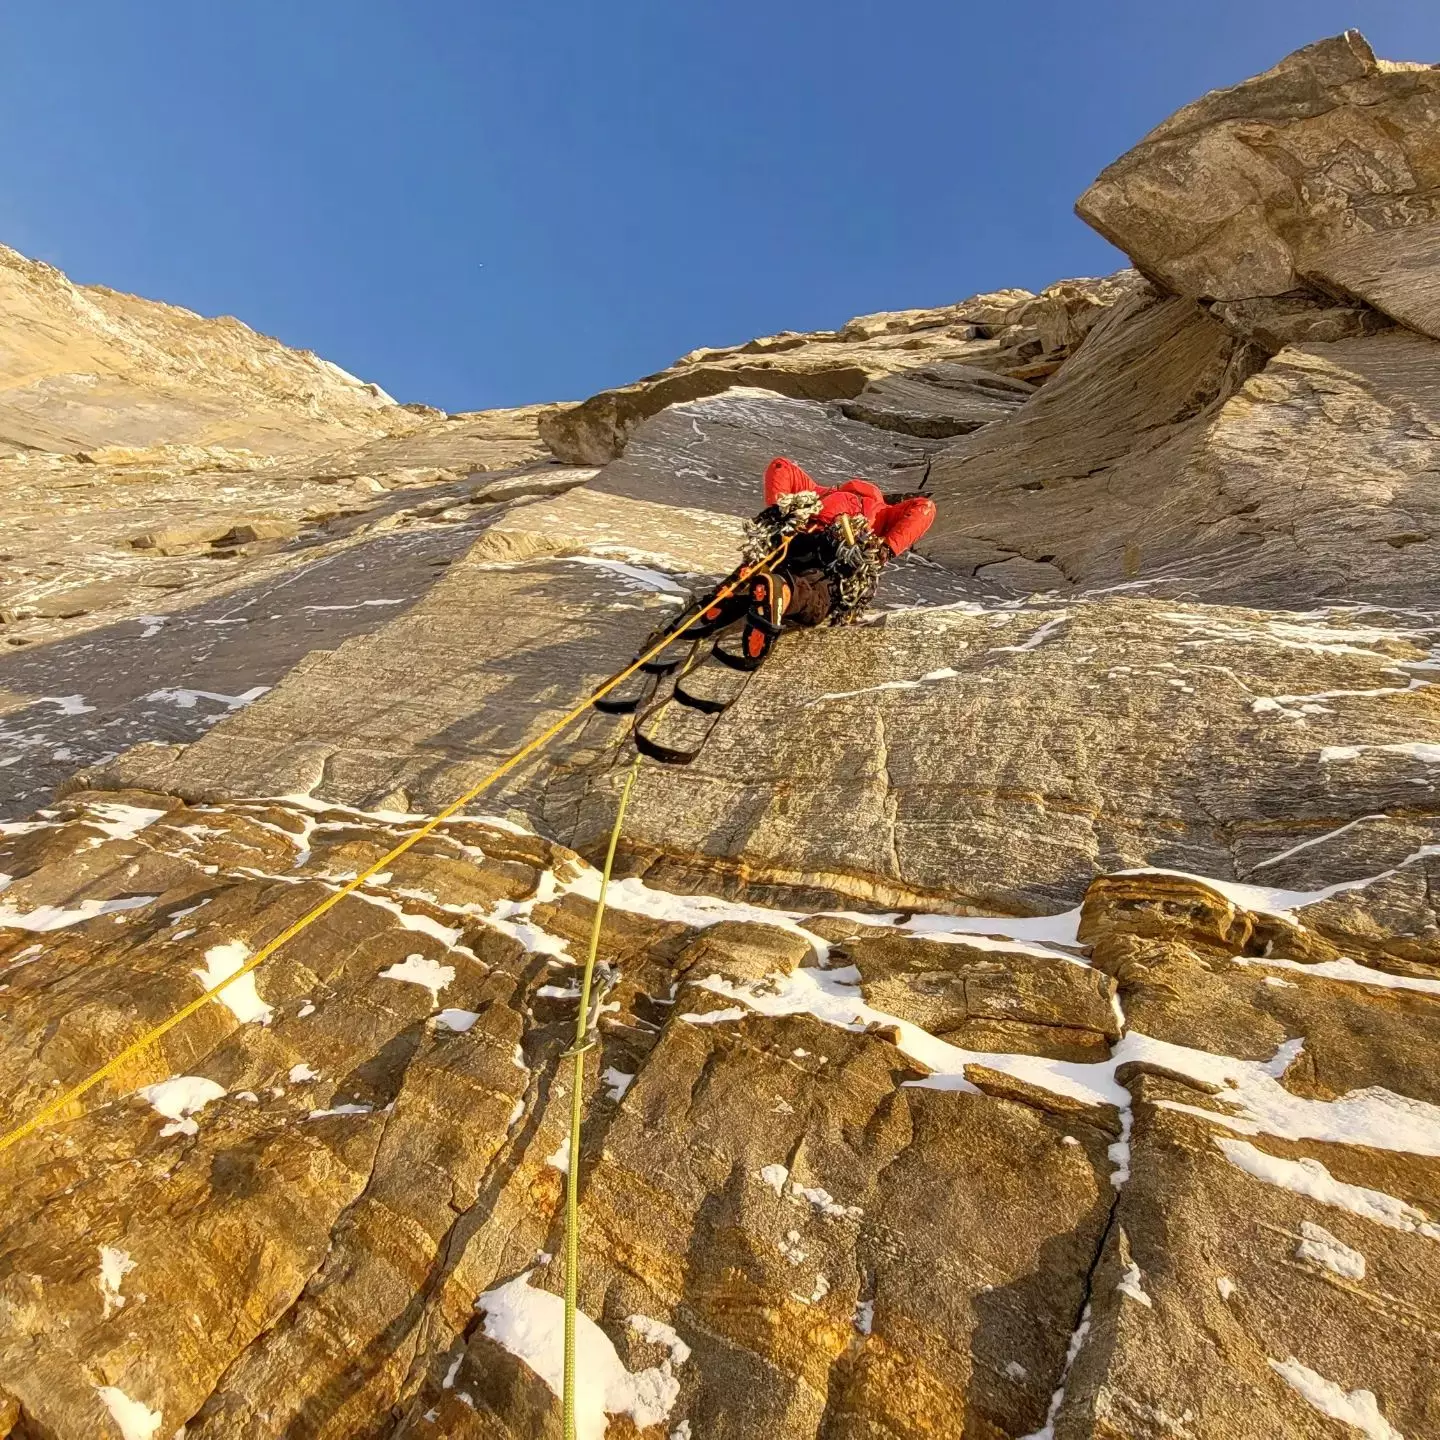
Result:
[
  {"x": 769, "y": 597},
  {"x": 718, "y": 616}
]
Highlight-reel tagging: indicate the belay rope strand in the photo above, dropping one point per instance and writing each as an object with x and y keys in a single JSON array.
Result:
[
  {"x": 53, "y": 1108},
  {"x": 586, "y": 1028}
]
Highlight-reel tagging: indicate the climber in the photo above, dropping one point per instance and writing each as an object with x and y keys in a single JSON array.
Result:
[{"x": 843, "y": 536}]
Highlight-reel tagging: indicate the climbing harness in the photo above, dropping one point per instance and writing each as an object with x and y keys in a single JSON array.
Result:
[
  {"x": 587, "y": 1024},
  {"x": 62, "y": 1102}
]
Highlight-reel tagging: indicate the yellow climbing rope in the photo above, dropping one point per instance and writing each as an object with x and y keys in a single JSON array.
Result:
[
  {"x": 585, "y": 1039},
  {"x": 53, "y": 1108}
]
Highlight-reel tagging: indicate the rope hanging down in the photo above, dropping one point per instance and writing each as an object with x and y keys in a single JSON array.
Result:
[
  {"x": 54, "y": 1108},
  {"x": 586, "y": 1027}
]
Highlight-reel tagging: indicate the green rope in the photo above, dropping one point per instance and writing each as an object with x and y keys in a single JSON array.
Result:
[{"x": 584, "y": 1040}]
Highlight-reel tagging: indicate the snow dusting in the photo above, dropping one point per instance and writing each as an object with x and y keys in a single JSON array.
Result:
[
  {"x": 1320, "y": 1247},
  {"x": 1357, "y": 1408},
  {"x": 115, "y": 1265},
  {"x": 178, "y": 1098},
  {"x": 240, "y": 996},
  {"x": 421, "y": 970},
  {"x": 135, "y": 1420},
  {"x": 529, "y": 1323}
]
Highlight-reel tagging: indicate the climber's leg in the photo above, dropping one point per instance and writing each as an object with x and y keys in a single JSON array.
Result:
[
  {"x": 769, "y": 597},
  {"x": 812, "y": 598}
]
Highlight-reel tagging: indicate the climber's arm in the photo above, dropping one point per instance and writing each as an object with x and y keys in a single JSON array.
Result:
[{"x": 900, "y": 526}]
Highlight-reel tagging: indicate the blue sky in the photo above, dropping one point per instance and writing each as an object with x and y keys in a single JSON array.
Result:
[{"x": 480, "y": 204}]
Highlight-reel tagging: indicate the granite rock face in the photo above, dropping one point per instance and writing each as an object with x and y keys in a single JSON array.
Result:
[
  {"x": 1322, "y": 173},
  {"x": 1017, "y": 1023}
]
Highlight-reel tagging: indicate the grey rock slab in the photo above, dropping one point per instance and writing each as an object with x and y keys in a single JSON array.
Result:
[
  {"x": 1159, "y": 458},
  {"x": 1397, "y": 271},
  {"x": 939, "y": 756},
  {"x": 430, "y": 704},
  {"x": 168, "y": 677},
  {"x": 937, "y": 401},
  {"x": 711, "y": 454},
  {"x": 1009, "y": 333},
  {"x": 1001, "y": 760}
]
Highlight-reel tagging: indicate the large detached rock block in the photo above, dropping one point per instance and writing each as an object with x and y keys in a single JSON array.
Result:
[{"x": 1321, "y": 172}]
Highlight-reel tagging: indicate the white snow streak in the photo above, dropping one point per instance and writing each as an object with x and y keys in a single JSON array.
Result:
[
  {"x": 187, "y": 699},
  {"x": 240, "y": 997},
  {"x": 1318, "y": 840},
  {"x": 178, "y": 1098},
  {"x": 44, "y": 918},
  {"x": 1310, "y": 1178},
  {"x": 421, "y": 970},
  {"x": 1349, "y": 972},
  {"x": 1036, "y": 638},
  {"x": 1320, "y": 1247},
  {"x": 638, "y": 575},
  {"x": 529, "y": 1323},
  {"x": 1254, "y": 1101},
  {"x": 1358, "y": 1408},
  {"x": 135, "y": 1420},
  {"x": 927, "y": 679},
  {"x": 1426, "y": 753}
]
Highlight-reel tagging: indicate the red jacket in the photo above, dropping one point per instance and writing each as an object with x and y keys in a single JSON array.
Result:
[{"x": 899, "y": 525}]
